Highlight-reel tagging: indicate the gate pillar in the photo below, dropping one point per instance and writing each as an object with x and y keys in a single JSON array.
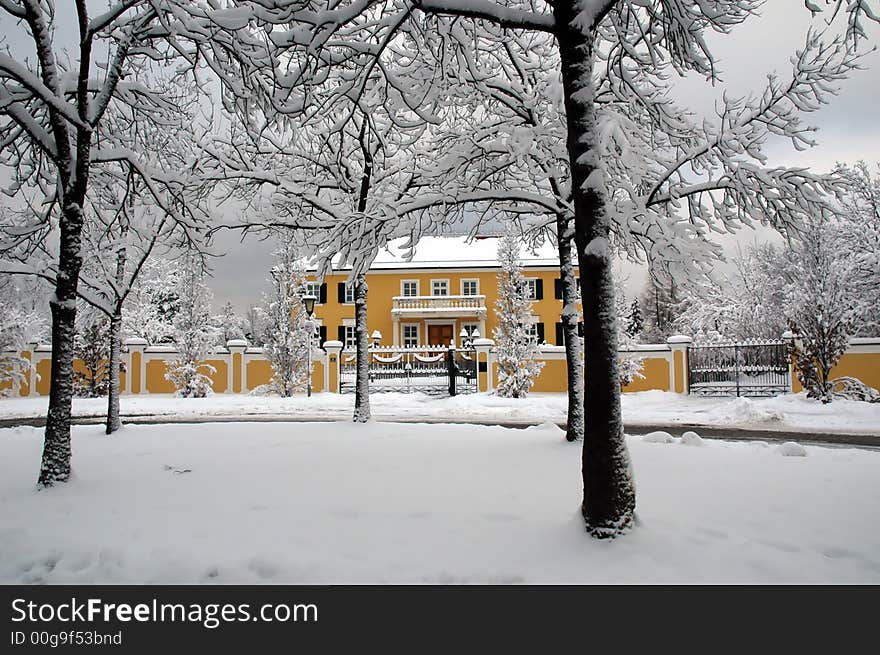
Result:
[
  {"x": 331, "y": 370},
  {"x": 679, "y": 345}
]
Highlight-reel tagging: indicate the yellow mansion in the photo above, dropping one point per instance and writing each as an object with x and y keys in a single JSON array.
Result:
[{"x": 449, "y": 285}]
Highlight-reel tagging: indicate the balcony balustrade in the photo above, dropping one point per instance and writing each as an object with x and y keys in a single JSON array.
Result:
[{"x": 438, "y": 305}]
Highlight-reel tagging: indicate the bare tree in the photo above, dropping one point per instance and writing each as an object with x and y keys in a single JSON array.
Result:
[{"x": 54, "y": 110}]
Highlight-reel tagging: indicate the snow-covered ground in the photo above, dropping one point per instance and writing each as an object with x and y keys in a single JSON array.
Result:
[
  {"x": 790, "y": 412},
  {"x": 383, "y": 502}
]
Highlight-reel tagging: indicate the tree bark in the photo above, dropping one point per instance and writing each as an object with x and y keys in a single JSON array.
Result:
[
  {"x": 362, "y": 383},
  {"x": 568, "y": 282},
  {"x": 609, "y": 495},
  {"x": 55, "y": 465},
  {"x": 113, "y": 422}
]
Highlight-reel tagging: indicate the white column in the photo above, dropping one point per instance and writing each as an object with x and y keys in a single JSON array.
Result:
[
  {"x": 483, "y": 353},
  {"x": 334, "y": 356},
  {"x": 679, "y": 345},
  {"x": 235, "y": 346}
]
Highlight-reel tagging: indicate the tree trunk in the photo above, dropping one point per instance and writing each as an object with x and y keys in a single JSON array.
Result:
[
  {"x": 362, "y": 383},
  {"x": 55, "y": 465},
  {"x": 113, "y": 422},
  {"x": 609, "y": 495},
  {"x": 569, "y": 316}
]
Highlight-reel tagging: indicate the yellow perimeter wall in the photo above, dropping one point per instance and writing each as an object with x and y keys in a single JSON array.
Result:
[
  {"x": 664, "y": 370},
  {"x": 864, "y": 366}
]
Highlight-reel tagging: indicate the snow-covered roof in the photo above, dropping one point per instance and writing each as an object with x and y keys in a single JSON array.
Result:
[{"x": 456, "y": 252}]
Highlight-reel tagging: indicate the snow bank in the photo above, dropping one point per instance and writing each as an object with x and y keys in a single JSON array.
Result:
[
  {"x": 691, "y": 438},
  {"x": 658, "y": 436},
  {"x": 791, "y": 449},
  {"x": 413, "y": 503},
  {"x": 744, "y": 411}
]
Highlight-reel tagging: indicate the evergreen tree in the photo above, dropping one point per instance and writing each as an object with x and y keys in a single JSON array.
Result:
[
  {"x": 517, "y": 351},
  {"x": 230, "y": 325},
  {"x": 635, "y": 323},
  {"x": 193, "y": 334},
  {"x": 629, "y": 362},
  {"x": 660, "y": 308}
]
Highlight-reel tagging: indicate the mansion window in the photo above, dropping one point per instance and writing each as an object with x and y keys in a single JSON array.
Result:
[
  {"x": 470, "y": 287},
  {"x": 345, "y": 293},
  {"x": 532, "y": 331},
  {"x": 410, "y": 288},
  {"x": 410, "y": 335},
  {"x": 350, "y": 337},
  {"x": 439, "y": 287},
  {"x": 313, "y": 289}
]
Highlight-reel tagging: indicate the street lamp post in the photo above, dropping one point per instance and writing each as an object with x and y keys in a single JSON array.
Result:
[{"x": 308, "y": 302}]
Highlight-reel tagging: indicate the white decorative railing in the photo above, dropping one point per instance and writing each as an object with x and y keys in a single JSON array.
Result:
[{"x": 423, "y": 303}]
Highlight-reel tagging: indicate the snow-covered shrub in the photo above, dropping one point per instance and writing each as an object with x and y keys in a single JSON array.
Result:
[
  {"x": 18, "y": 325},
  {"x": 854, "y": 389},
  {"x": 283, "y": 327},
  {"x": 190, "y": 379},
  {"x": 822, "y": 305},
  {"x": 193, "y": 334},
  {"x": 91, "y": 346},
  {"x": 517, "y": 351}
]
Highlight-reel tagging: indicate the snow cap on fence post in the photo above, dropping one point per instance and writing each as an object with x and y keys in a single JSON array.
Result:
[
  {"x": 482, "y": 350},
  {"x": 236, "y": 382},
  {"x": 331, "y": 371},
  {"x": 679, "y": 345}
]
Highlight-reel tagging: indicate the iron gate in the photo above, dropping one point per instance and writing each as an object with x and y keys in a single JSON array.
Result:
[
  {"x": 434, "y": 370},
  {"x": 750, "y": 368}
]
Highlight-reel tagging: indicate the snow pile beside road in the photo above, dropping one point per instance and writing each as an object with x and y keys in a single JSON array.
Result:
[{"x": 744, "y": 411}]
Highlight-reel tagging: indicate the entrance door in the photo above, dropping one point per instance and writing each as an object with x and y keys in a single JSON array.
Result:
[{"x": 439, "y": 335}]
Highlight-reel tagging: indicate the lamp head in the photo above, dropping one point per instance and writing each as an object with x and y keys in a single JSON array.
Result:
[{"x": 308, "y": 302}]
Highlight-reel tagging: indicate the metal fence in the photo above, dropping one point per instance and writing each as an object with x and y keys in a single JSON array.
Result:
[
  {"x": 749, "y": 368},
  {"x": 434, "y": 370}
]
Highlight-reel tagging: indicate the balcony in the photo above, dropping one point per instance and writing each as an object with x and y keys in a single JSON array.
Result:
[{"x": 438, "y": 306}]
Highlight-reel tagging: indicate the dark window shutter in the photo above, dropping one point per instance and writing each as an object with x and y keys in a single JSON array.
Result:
[
  {"x": 322, "y": 294},
  {"x": 557, "y": 288},
  {"x": 340, "y": 334},
  {"x": 340, "y": 290},
  {"x": 322, "y": 335},
  {"x": 560, "y": 335},
  {"x": 540, "y": 333},
  {"x": 539, "y": 289}
]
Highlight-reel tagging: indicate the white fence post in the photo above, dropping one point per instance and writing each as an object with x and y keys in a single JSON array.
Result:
[{"x": 483, "y": 353}]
